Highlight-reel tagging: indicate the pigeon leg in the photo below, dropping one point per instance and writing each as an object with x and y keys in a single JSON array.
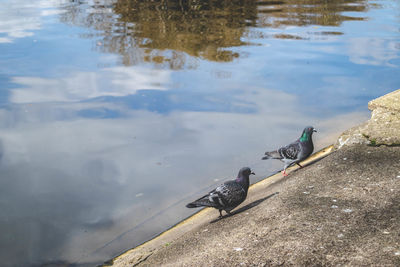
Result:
[
  {"x": 299, "y": 165},
  {"x": 220, "y": 214},
  {"x": 284, "y": 173}
]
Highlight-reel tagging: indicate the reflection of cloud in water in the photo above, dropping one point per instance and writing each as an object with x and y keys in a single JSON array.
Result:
[
  {"x": 117, "y": 81},
  {"x": 373, "y": 51},
  {"x": 78, "y": 191},
  {"x": 134, "y": 87},
  {"x": 11, "y": 12}
]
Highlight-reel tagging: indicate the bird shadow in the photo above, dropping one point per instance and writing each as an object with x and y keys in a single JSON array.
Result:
[{"x": 244, "y": 208}]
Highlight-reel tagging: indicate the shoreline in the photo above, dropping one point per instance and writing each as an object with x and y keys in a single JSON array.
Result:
[
  {"x": 190, "y": 222},
  {"x": 378, "y": 136}
]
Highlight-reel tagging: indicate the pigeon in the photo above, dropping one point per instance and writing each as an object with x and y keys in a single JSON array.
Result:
[
  {"x": 226, "y": 196},
  {"x": 294, "y": 152}
]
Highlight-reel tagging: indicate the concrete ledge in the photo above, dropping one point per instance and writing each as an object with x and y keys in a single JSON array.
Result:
[
  {"x": 140, "y": 253},
  {"x": 389, "y": 101},
  {"x": 382, "y": 129},
  {"x": 340, "y": 211}
]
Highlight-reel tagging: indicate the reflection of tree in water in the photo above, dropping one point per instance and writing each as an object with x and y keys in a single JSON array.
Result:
[
  {"x": 165, "y": 31},
  {"x": 310, "y": 12},
  {"x": 199, "y": 28}
]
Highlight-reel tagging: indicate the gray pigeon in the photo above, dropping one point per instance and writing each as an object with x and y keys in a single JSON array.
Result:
[
  {"x": 296, "y": 151},
  {"x": 226, "y": 196}
]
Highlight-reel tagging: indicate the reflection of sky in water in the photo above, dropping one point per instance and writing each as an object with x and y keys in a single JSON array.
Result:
[
  {"x": 13, "y": 27},
  {"x": 92, "y": 151}
]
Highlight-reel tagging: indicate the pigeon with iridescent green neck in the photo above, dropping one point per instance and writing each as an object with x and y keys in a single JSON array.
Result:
[
  {"x": 226, "y": 196},
  {"x": 296, "y": 151}
]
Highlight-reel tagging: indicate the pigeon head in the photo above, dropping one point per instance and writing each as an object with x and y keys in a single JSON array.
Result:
[
  {"x": 307, "y": 133},
  {"x": 243, "y": 177},
  {"x": 245, "y": 172}
]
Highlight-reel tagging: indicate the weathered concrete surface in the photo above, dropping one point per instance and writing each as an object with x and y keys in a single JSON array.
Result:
[
  {"x": 203, "y": 217},
  {"x": 389, "y": 101},
  {"x": 382, "y": 129},
  {"x": 342, "y": 210}
]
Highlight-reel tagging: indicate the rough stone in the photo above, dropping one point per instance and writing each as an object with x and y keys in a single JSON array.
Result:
[
  {"x": 352, "y": 136},
  {"x": 389, "y": 101},
  {"x": 382, "y": 129}
]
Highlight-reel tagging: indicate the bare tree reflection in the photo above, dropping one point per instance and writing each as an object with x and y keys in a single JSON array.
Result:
[{"x": 172, "y": 33}]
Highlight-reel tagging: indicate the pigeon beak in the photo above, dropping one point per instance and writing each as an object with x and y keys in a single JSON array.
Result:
[{"x": 253, "y": 173}]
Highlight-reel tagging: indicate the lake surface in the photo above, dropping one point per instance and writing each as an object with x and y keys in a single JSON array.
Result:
[{"x": 115, "y": 114}]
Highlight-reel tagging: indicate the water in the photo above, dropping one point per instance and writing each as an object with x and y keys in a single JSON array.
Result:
[{"x": 115, "y": 114}]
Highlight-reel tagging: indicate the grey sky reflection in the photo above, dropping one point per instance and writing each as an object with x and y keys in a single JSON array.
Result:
[{"x": 79, "y": 183}]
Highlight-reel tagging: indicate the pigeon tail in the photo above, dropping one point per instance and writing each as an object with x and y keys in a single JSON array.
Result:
[
  {"x": 272, "y": 155},
  {"x": 201, "y": 202},
  {"x": 193, "y": 205}
]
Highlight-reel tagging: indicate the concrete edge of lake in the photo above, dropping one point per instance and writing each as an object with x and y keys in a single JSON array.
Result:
[
  {"x": 340, "y": 209},
  {"x": 382, "y": 129}
]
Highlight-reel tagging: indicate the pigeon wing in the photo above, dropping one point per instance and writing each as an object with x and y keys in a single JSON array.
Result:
[
  {"x": 230, "y": 194},
  {"x": 225, "y": 197},
  {"x": 290, "y": 151}
]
